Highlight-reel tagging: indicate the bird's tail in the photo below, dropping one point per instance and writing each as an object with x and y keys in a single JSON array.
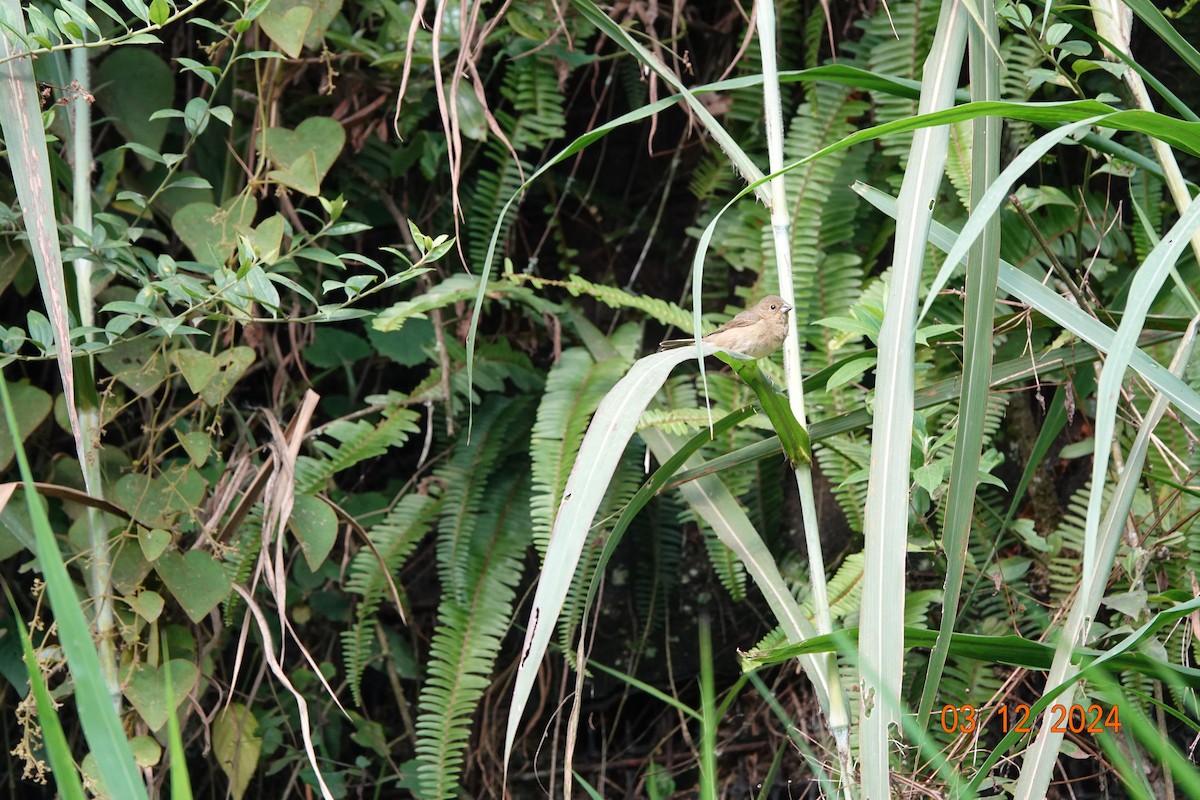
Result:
[{"x": 671, "y": 344}]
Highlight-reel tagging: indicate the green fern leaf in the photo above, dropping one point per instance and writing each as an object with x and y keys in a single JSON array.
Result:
[
  {"x": 393, "y": 539},
  {"x": 574, "y": 388},
  {"x": 471, "y": 627},
  {"x": 358, "y": 441}
]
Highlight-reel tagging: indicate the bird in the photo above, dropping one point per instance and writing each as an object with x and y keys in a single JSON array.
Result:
[{"x": 757, "y": 332}]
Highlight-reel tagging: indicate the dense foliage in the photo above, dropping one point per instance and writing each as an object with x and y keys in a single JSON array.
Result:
[{"x": 346, "y": 282}]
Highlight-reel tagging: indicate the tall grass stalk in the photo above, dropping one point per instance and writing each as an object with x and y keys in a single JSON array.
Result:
[
  {"x": 101, "y": 725},
  {"x": 881, "y": 639},
  {"x": 983, "y": 266},
  {"x": 1101, "y": 536},
  {"x": 781, "y": 237},
  {"x": 99, "y": 572}
]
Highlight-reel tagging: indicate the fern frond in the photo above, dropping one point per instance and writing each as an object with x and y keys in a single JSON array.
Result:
[
  {"x": 467, "y": 476},
  {"x": 626, "y": 480},
  {"x": 393, "y": 538},
  {"x": 958, "y": 161},
  {"x": 496, "y": 363},
  {"x": 471, "y": 626},
  {"x": 531, "y": 85},
  {"x": 711, "y": 178},
  {"x": 900, "y": 53},
  {"x": 826, "y": 270},
  {"x": 358, "y": 441},
  {"x": 658, "y": 548},
  {"x": 614, "y": 297},
  {"x": 1018, "y": 58},
  {"x": 574, "y": 388},
  {"x": 840, "y": 458},
  {"x": 844, "y": 588},
  {"x": 1146, "y": 191},
  {"x": 727, "y": 566},
  {"x": 493, "y": 188}
]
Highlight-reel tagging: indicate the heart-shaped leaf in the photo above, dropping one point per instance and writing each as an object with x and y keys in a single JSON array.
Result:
[
  {"x": 129, "y": 566},
  {"x": 197, "y": 445},
  {"x": 147, "y": 604},
  {"x": 146, "y": 690},
  {"x": 295, "y": 23},
  {"x": 304, "y": 156},
  {"x": 146, "y": 751},
  {"x": 130, "y": 110},
  {"x": 209, "y": 232},
  {"x": 212, "y": 377},
  {"x": 314, "y": 524},
  {"x": 158, "y": 502},
  {"x": 231, "y": 365},
  {"x": 140, "y": 364},
  {"x": 287, "y": 28},
  {"x": 196, "y": 580},
  {"x": 30, "y": 405},
  {"x": 153, "y": 541},
  {"x": 198, "y": 368}
]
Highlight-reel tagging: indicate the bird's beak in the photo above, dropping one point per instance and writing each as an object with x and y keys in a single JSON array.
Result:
[{"x": 786, "y": 308}]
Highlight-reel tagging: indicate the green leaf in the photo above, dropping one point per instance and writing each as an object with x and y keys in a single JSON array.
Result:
[
  {"x": 929, "y": 476},
  {"x": 195, "y": 115},
  {"x": 237, "y": 746},
  {"x": 267, "y": 238},
  {"x": 146, "y": 749},
  {"x": 212, "y": 377},
  {"x": 197, "y": 445},
  {"x": 334, "y": 347},
  {"x": 304, "y": 156},
  {"x": 93, "y": 699},
  {"x": 130, "y": 111},
  {"x": 76, "y": 13},
  {"x": 148, "y": 605},
  {"x": 223, "y": 113},
  {"x": 146, "y": 690},
  {"x": 850, "y": 371},
  {"x": 31, "y": 406},
  {"x": 314, "y": 524},
  {"x": 157, "y": 502},
  {"x": 210, "y": 232},
  {"x": 796, "y": 444},
  {"x": 140, "y": 364},
  {"x": 160, "y": 12},
  {"x": 293, "y": 24},
  {"x": 206, "y": 72},
  {"x": 198, "y": 368},
  {"x": 153, "y": 542},
  {"x": 196, "y": 580}
]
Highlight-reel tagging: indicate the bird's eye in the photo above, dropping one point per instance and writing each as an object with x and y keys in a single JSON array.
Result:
[{"x": 773, "y": 306}]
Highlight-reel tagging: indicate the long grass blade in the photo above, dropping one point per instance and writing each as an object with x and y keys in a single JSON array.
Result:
[
  {"x": 1072, "y": 318},
  {"x": 101, "y": 725},
  {"x": 25, "y": 141},
  {"x": 983, "y": 266},
  {"x": 881, "y": 642}
]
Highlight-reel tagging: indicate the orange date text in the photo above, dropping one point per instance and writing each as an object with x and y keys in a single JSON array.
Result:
[{"x": 1062, "y": 719}]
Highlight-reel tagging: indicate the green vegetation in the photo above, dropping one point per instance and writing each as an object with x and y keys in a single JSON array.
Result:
[{"x": 340, "y": 461}]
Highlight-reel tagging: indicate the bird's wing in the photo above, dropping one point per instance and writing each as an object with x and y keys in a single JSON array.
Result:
[{"x": 748, "y": 317}]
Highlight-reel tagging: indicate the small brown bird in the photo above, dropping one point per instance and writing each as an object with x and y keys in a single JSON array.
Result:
[{"x": 756, "y": 332}]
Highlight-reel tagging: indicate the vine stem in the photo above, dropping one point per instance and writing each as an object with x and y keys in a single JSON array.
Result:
[
  {"x": 839, "y": 718},
  {"x": 114, "y": 41}
]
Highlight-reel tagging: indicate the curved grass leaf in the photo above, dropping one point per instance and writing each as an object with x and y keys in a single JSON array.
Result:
[
  {"x": 610, "y": 430},
  {"x": 97, "y": 715},
  {"x": 1069, "y": 316}
]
